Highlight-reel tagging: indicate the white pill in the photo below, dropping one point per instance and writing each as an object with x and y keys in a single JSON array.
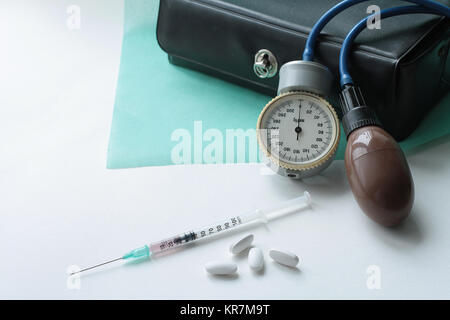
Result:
[
  {"x": 284, "y": 257},
  {"x": 242, "y": 244},
  {"x": 255, "y": 259},
  {"x": 220, "y": 267}
]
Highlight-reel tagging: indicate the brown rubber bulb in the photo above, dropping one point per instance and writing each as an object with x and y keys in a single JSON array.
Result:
[{"x": 379, "y": 175}]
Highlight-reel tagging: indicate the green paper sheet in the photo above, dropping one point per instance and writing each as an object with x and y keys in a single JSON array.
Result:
[{"x": 157, "y": 104}]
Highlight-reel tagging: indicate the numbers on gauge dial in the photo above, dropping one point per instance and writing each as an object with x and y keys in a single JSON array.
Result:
[{"x": 299, "y": 130}]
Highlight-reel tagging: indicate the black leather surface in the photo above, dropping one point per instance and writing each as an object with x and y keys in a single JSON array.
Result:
[{"x": 399, "y": 67}]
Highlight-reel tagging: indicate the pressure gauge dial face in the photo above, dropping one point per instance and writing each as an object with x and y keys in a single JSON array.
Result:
[{"x": 298, "y": 131}]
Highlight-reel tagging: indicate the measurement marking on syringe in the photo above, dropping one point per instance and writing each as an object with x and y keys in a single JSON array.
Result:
[{"x": 235, "y": 221}]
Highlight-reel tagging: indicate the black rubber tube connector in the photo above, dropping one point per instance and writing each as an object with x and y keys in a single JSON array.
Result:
[{"x": 355, "y": 112}]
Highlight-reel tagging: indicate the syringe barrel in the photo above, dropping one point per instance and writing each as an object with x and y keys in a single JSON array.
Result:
[
  {"x": 195, "y": 234},
  {"x": 259, "y": 215}
]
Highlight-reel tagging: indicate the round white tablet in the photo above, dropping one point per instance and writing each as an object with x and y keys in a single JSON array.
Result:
[
  {"x": 284, "y": 257},
  {"x": 242, "y": 244}
]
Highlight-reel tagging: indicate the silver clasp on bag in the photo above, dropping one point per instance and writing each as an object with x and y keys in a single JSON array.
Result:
[{"x": 266, "y": 65}]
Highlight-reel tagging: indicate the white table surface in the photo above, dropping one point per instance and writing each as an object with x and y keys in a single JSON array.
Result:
[{"x": 60, "y": 206}]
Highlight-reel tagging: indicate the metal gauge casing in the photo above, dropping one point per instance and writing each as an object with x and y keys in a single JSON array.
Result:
[{"x": 298, "y": 133}]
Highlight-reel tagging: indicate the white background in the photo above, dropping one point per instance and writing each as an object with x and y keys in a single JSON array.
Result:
[{"x": 60, "y": 206}]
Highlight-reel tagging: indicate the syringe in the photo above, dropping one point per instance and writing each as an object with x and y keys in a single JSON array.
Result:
[{"x": 253, "y": 218}]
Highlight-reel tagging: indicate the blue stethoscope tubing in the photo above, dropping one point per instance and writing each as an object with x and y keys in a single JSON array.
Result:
[
  {"x": 345, "y": 78},
  {"x": 308, "y": 53},
  {"x": 421, "y": 7}
]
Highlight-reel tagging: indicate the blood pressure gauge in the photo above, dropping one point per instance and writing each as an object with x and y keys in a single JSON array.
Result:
[{"x": 298, "y": 131}]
